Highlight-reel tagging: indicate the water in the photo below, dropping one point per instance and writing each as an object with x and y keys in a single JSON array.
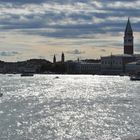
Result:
[{"x": 70, "y": 107}]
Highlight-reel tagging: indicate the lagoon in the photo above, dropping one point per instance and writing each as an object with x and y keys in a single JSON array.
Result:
[{"x": 69, "y": 107}]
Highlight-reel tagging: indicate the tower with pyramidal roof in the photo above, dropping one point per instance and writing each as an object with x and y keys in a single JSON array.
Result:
[{"x": 128, "y": 39}]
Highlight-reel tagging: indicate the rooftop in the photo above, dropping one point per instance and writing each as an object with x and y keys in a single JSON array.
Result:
[
  {"x": 128, "y": 26},
  {"x": 119, "y": 55}
]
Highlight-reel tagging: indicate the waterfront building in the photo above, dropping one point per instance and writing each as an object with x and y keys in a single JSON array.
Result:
[
  {"x": 89, "y": 68},
  {"x": 115, "y": 64},
  {"x": 32, "y": 65},
  {"x": 80, "y": 67},
  {"x": 29, "y": 69},
  {"x": 128, "y": 39},
  {"x": 71, "y": 67}
]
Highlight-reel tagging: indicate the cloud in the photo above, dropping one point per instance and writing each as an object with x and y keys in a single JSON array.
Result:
[
  {"x": 102, "y": 22},
  {"x": 67, "y": 19},
  {"x": 8, "y": 54},
  {"x": 125, "y": 4},
  {"x": 103, "y": 50},
  {"x": 76, "y": 51},
  {"x": 22, "y": 1}
]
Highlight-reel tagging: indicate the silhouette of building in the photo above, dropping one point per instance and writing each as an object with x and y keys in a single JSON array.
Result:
[
  {"x": 80, "y": 67},
  {"x": 133, "y": 67},
  {"x": 62, "y": 58},
  {"x": 128, "y": 39},
  {"x": 116, "y": 64},
  {"x": 54, "y": 59}
]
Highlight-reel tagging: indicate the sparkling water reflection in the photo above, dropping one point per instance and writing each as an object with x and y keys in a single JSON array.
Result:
[{"x": 68, "y": 107}]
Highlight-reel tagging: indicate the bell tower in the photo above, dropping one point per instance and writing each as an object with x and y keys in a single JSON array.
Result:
[
  {"x": 128, "y": 39},
  {"x": 62, "y": 58},
  {"x": 54, "y": 59}
]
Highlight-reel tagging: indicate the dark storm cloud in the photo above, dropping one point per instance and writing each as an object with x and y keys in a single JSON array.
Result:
[{"x": 68, "y": 19}]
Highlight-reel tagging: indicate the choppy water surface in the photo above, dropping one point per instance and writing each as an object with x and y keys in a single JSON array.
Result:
[{"x": 70, "y": 107}]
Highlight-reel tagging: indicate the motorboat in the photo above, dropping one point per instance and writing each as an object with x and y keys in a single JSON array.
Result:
[
  {"x": 27, "y": 74},
  {"x": 131, "y": 138},
  {"x": 135, "y": 77},
  {"x": 56, "y": 77},
  {"x": 1, "y": 94}
]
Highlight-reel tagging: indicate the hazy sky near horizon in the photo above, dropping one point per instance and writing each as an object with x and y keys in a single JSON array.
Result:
[{"x": 79, "y": 28}]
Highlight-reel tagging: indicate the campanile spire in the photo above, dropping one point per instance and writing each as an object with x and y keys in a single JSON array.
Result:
[{"x": 128, "y": 39}]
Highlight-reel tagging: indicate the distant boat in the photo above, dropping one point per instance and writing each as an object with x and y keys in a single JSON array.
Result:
[
  {"x": 27, "y": 74},
  {"x": 56, "y": 77},
  {"x": 1, "y": 94},
  {"x": 135, "y": 77},
  {"x": 131, "y": 138}
]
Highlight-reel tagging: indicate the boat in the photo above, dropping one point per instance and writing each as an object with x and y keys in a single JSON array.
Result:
[
  {"x": 131, "y": 138},
  {"x": 1, "y": 94},
  {"x": 27, "y": 74},
  {"x": 56, "y": 77},
  {"x": 135, "y": 77}
]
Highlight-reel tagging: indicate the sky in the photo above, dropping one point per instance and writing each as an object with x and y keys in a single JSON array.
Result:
[{"x": 84, "y": 29}]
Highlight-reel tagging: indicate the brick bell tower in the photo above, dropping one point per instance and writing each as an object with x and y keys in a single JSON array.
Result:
[{"x": 128, "y": 39}]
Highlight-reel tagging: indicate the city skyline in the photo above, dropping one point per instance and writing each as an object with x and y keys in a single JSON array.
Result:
[{"x": 81, "y": 29}]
